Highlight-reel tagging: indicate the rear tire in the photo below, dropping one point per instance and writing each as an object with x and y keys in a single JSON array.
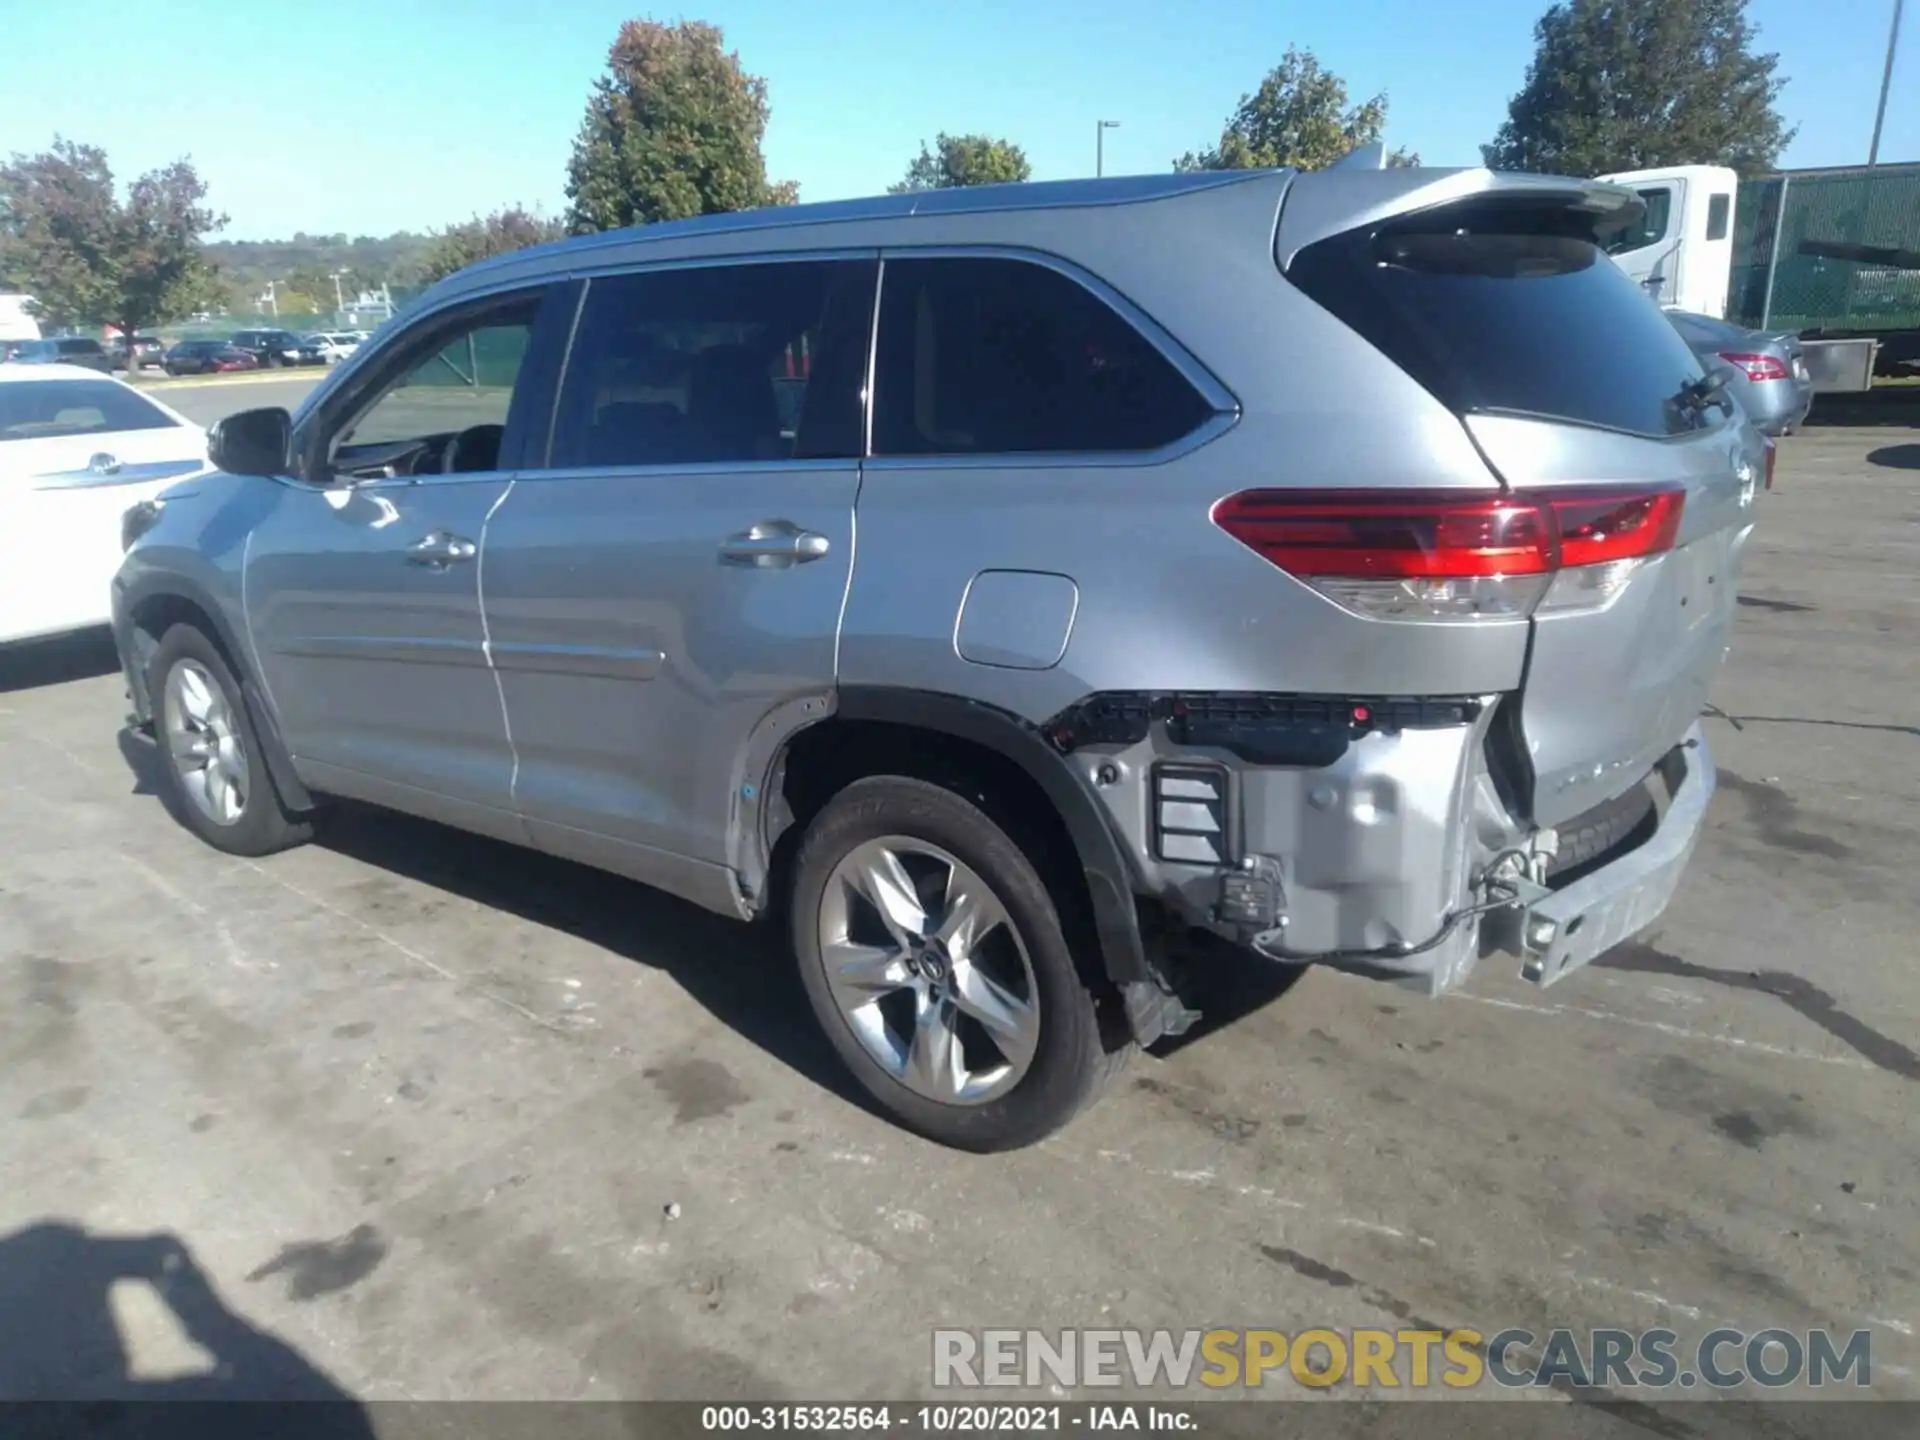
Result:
[
  {"x": 211, "y": 763},
  {"x": 957, "y": 1006}
]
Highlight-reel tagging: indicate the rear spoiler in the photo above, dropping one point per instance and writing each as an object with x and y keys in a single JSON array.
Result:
[{"x": 1331, "y": 202}]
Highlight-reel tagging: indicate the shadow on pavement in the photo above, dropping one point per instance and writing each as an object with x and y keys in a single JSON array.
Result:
[
  {"x": 1882, "y": 405},
  {"x": 742, "y": 974},
  {"x": 1896, "y": 457},
  {"x": 1225, "y": 984},
  {"x": 63, "y": 1347},
  {"x": 30, "y": 664}
]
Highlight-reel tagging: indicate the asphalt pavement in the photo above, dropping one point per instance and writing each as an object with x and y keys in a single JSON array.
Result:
[
  {"x": 449, "y": 1119},
  {"x": 204, "y": 401}
]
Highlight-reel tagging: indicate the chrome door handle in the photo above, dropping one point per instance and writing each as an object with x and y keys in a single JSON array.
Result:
[
  {"x": 440, "y": 550},
  {"x": 774, "y": 545}
]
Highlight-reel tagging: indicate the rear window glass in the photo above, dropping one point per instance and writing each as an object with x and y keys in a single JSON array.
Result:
[
  {"x": 1494, "y": 322},
  {"x": 41, "y": 409}
]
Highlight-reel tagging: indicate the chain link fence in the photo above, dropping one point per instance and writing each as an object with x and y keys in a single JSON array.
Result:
[{"x": 1804, "y": 248}]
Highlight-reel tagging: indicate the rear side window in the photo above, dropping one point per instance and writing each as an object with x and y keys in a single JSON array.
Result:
[
  {"x": 722, "y": 364},
  {"x": 40, "y": 409},
  {"x": 1497, "y": 320},
  {"x": 1719, "y": 213},
  {"x": 997, "y": 356}
]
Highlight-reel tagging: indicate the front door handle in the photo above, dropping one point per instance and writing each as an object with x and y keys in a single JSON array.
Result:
[
  {"x": 773, "y": 545},
  {"x": 440, "y": 550}
]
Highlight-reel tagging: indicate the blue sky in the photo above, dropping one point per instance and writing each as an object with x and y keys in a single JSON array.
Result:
[{"x": 368, "y": 116}]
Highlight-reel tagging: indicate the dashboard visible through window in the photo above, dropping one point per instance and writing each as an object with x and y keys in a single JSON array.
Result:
[{"x": 446, "y": 409}]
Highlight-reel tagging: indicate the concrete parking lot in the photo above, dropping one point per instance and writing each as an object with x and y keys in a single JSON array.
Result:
[{"x": 452, "y": 1120}]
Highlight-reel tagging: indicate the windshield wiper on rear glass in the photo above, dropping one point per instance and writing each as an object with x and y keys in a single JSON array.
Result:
[{"x": 1694, "y": 396}]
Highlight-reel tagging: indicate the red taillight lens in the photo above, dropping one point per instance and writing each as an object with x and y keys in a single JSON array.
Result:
[
  {"x": 1757, "y": 367},
  {"x": 1437, "y": 555},
  {"x": 1382, "y": 534},
  {"x": 1597, "y": 527}
]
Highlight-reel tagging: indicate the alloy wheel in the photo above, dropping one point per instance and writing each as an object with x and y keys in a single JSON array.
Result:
[
  {"x": 203, "y": 743},
  {"x": 928, "y": 970}
]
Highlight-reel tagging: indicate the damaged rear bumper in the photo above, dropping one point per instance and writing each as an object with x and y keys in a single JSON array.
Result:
[
  {"x": 1551, "y": 929},
  {"x": 1568, "y": 927}
]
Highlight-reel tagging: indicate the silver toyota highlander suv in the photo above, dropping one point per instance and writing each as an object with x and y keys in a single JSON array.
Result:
[{"x": 999, "y": 585}]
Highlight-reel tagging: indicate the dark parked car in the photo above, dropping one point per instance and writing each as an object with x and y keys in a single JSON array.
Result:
[
  {"x": 279, "y": 347},
  {"x": 147, "y": 350},
  {"x": 206, "y": 357},
  {"x": 65, "y": 350}
]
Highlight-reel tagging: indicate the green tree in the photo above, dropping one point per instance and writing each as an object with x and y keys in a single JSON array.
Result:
[
  {"x": 500, "y": 233},
  {"x": 1633, "y": 84},
  {"x": 1299, "y": 117},
  {"x": 87, "y": 257},
  {"x": 957, "y": 160},
  {"x": 672, "y": 130}
]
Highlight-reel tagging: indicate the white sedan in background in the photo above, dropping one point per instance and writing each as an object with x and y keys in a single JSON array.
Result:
[
  {"x": 336, "y": 345},
  {"x": 76, "y": 450}
]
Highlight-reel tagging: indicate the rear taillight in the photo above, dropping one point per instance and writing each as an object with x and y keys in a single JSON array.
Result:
[
  {"x": 1441, "y": 555},
  {"x": 1757, "y": 367}
]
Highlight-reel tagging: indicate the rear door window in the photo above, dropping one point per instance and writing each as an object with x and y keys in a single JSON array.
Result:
[
  {"x": 988, "y": 355},
  {"x": 1494, "y": 317},
  {"x": 718, "y": 364}
]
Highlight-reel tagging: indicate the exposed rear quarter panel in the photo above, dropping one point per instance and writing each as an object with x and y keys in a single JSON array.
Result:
[
  {"x": 1167, "y": 600},
  {"x": 1609, "y": 691}
]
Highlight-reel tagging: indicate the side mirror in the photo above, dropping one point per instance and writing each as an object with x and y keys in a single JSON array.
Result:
[{"x": 253, "y": 442}]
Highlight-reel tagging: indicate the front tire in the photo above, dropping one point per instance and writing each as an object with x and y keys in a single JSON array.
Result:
[
  {"x": 936, "y": 961},
  {"x": 212, "y": 766}
]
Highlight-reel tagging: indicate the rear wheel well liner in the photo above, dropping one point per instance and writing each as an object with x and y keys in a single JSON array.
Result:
[{"x": 882, "y": 729}]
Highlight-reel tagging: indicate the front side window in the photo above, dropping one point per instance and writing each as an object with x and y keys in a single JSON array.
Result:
[
  {"x": 718, "y": 364},
  {"x": 42, "y": 409},
  {"x": 1651, "y": 227},
  {"x": 996, "y": 356},
  {"x": 446, "y": 407}
]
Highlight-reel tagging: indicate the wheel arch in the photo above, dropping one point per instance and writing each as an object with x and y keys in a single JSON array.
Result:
[
  {"x": 885, "y": 729},
  {"x": 144, "y": 613}
]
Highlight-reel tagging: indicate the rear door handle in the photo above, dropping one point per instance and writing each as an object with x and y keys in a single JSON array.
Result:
[
  {"x": 774, "y": 545},
  {"x": 440, "y": 550}
]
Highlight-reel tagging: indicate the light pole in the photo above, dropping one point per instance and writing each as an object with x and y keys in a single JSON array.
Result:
[
  {"x": 1886, "y": 79},
  {"x": 339, "y": 303},
  {"x": 1100, "y": 128}
]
